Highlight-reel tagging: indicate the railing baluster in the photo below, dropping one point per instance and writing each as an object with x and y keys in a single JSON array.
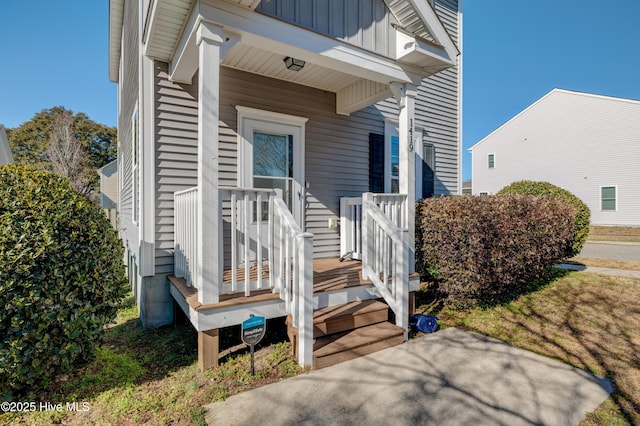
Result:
[
  {"x": 234, "y": 242},
  {"x": 259, "y": 240},
  {"x": 247, "y": 244}
]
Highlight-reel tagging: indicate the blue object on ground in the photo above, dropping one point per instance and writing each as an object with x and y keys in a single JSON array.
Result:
[{"x": 423, "y": 323}]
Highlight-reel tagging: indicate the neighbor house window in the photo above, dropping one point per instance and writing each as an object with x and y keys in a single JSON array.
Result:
[
  {"x": 491, "y": 160},
  {"x": 608, "y": 198}
]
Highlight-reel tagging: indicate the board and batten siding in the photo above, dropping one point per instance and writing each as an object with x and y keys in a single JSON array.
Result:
[
  {"x": 128, "y": 96},
  {"x": 363, "y": 23},
  {"x": 336, "y": 149},
  {"x": 574, "y": 140}
]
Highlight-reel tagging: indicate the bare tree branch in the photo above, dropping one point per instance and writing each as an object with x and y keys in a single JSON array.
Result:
[{"x": 67, "y": 155}]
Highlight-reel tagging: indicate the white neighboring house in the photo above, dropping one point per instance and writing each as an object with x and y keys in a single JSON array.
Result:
[
  {"x": 587, "y": 144},
  {"x": 5, "y": 150}
]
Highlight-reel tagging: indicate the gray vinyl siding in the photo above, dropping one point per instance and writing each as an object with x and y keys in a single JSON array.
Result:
[
  {"x": 336, "y": 151},
  {"x": 337, "y": 147},
  {"x": 577, "y": 141},
  {"x": 128, "y": 95},
  {"x": 437, "y": 110},
  {"x": 363, "y": 23},
  {"x": 176, "y": 155}
]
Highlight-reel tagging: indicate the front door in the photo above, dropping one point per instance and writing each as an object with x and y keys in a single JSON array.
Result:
[{"x": 273, "y": 157}]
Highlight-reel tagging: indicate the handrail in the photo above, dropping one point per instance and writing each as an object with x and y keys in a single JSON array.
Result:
[
  {"x": 385, "y": 255},
  {"x": 291, "y": 262}
]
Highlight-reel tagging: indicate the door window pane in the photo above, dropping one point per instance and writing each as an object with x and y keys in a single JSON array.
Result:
[
  {"x": 272, "y": 155},
  {"x": 273, "y": 163}
]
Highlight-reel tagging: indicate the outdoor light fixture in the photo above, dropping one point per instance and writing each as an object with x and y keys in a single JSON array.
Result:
[{"x": 294, "y": 64}]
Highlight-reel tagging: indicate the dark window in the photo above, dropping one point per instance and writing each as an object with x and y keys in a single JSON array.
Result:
[
  {"x": 428, "y": 170},
  {"x": 376, "y": 162}
]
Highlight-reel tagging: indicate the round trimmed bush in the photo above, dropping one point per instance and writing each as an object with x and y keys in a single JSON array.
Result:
[
  {"x": 484, "y": 250},
  {"x": 61, "y": 278},
  {"x": 583, "y": 214}
]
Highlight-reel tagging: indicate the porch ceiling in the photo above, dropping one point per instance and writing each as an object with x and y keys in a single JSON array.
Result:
[{"x": 252, "y": 59}]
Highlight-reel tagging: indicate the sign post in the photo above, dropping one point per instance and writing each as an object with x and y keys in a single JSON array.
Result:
[{"x": 253, "y": 331}]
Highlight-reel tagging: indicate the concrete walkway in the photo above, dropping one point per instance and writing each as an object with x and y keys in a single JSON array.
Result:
[
  {"x": 451, "y": 377},
  {"x": 598, "y": 270}
]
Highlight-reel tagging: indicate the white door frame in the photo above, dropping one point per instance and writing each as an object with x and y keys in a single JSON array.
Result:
[{"x": 250, "y": 119}]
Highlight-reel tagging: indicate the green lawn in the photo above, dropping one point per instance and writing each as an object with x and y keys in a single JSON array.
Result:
[
  {"x": 586, "y": 320},
  {"x": 151, "y": 377}
]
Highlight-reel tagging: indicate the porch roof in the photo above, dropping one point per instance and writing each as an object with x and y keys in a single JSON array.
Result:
[{"x": 359, "y": 77}]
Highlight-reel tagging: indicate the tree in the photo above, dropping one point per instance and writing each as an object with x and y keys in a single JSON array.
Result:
[
  {"x": 67, "y": 156},
  {"x": 29, "y": 141}
]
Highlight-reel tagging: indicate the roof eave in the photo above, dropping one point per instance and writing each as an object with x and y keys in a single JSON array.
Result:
[{"x": 116, "y": 15}]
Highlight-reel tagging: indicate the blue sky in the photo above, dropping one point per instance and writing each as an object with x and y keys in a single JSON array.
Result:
[{"x": 515, "y": 51}]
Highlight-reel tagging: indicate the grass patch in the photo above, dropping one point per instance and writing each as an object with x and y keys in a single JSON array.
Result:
[
  {"x": 589, "y": 321},
  {"x": 615, "y": 233},
  {"x": 152, "y": 377}
]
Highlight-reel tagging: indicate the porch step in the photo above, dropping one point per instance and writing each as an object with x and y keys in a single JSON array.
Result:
[
  {"x": 348, "y": 331},
  {"x": 340, "y": 347},
  {"x": 336, "y": 319}
]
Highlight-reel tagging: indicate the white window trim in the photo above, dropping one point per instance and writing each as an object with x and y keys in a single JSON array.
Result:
[
  {"x": 244, "y": 149},
  {"x": 390, "y": 130},
  {"x": 135, "y": 166},
  {"x": 616, "y": 199},
  {"x": 494, "y": 160}
]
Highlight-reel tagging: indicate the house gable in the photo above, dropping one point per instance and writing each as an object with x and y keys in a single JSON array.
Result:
[{"x": 579, "y": 141}]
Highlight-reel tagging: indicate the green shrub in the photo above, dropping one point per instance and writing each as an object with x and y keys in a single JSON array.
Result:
[
  {"x": 486, "y": 249},
  {"x": 61, "y": 278},
  {"x": 583, "y": 214}
]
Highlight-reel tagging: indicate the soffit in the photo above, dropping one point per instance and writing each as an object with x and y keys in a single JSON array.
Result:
[
  {"x": 116, "y": 13},
  {"x": 406, "y": 13},
  {"x": 169, "y": 18},
  {"x": 418, "y": 17},
  {"x": 248, "y": 58}
]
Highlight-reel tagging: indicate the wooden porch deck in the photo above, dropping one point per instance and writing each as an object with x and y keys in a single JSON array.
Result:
[{"x": 328, "y": 275}]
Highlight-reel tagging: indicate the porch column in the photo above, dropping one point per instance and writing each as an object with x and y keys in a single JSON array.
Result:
[
  {"x": 406, "y": 95},
  {"x": 209, "y": 219}
]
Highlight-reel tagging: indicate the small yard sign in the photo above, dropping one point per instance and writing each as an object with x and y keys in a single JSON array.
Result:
[{"x": 253, "y": 330}]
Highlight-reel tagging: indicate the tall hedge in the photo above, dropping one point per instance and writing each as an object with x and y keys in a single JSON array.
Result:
[
  {"x": 61, "y": 278},
  {"x": 583, "y": 214},
  {"x": 485, "y": 249}
]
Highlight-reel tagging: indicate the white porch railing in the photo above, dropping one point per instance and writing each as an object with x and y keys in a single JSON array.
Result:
[
  {"x": 351, "y": 227},
  {"x": 385, "y": 255},
  {"x": 291, "y": 260},
  {"x": 259, "y": 227},
  {"x": 185, "y": 230},
  {"x": 247, "y": 239},
  {"x": 392, "y": 205}
]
